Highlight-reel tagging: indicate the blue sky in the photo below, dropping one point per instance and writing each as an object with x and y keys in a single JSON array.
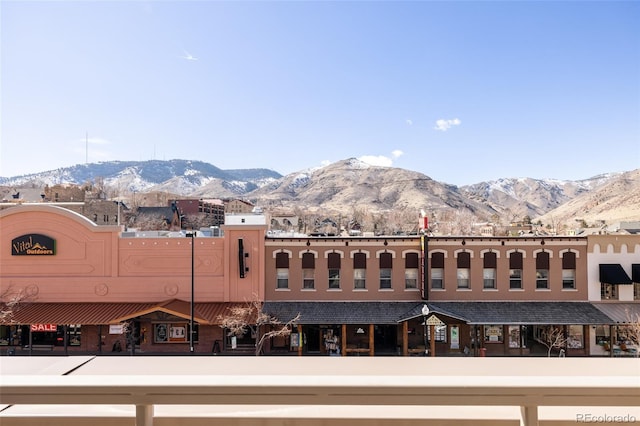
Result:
[{"x": 460, "y": 91}]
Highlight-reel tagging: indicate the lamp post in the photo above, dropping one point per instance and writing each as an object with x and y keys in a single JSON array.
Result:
[
  {"x": 192, "y": 235},
  {"x": 425, "y": 312}
]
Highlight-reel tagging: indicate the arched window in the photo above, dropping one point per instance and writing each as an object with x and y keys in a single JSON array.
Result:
[
  {"x": 359, "y": 270},
  {"x": 464, "y": 269},
  {"x": 386, "y": 264},
  {"x": 437, "y": 271},
  {"x": 308, "y": 271},
  {"x": 333, "y": 264},
  {"x": 542, "y": 270},
  {"x": 282, "y": 270},
  {"x": 515, "y": 270},
  {"x": 569, "y": 270},
  {"x": 489, "y": 262}
]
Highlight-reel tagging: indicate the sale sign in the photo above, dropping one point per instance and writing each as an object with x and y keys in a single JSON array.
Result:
[{"x": 44, "y": 327}]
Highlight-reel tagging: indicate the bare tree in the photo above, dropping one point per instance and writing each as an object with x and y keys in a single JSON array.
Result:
[
  {"x": 252, "y": 317},
  {"x": 401, "y": 220},
  {"x": 129, "y": 331},
  {"x": 148, "y": 222},
  {"x": 463, "y": 220},
  {"x": 553, "y": 337},
  {"x": 358, "y": 214},
  {"x": 11, "y": 300},
  {"x": 630, "y": 332}
]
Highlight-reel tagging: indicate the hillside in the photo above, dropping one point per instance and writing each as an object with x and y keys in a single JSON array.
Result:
[
  {"x": 615, "y": 200},
  {"x": 352, "y": 185}
]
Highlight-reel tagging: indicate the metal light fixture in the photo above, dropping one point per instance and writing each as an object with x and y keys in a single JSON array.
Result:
[
  {"x": 425, "y": 313},
  {"x": 192, "y": 235}
]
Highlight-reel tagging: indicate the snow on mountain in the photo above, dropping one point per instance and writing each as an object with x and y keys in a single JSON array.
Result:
[
  {"x": 351, "y": 184},
  {"x": 175, "y": 176}
]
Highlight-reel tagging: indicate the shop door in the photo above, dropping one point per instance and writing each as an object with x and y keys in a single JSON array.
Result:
[
  {"x": 385, "y": 339},
  {"x": 312, "y": 336}
]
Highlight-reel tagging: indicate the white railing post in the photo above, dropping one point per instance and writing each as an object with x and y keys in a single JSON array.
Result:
[
  {"x": 528, "y": 415},
  {"x": 144, "y": 415}
]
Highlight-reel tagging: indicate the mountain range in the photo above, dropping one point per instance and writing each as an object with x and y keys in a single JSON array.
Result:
[{"x": 352, "y": 184}]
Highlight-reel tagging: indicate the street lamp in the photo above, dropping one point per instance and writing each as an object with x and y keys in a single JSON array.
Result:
[
  {"x": 191, "y": 322},
  {"x": 425, "y": 312}
]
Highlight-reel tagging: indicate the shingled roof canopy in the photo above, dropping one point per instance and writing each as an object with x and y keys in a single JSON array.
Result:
[
  {"x": 525, "y": 313},
  {"x": 340, "y": 312}
]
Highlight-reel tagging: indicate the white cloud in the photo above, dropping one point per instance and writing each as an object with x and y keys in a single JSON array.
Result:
[
  {"x": 372, "y": 160},
  {"x": 444, "y": 125},
  {"x": 188, "y": 56},
  {"x": 409, "y": 122},
  {"x": 376, "y": 160},
  {"x": 381, "y": 160}
]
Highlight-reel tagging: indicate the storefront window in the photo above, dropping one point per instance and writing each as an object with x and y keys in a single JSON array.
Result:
[
  {"x": 173, "y": 333},
  {"x": 14, "y": 335},
  {"x": 514, "y": 336},
  {"x": 440, "y": 333},
  {"x": 5, "y": 335},
  {"x": 74, "y": 334},
  {"x": 331, "y": 341},
  {"x": 493, "y": 334},
  {"x": 575, "y": 339},
  {"x": 602, "y": 334}
]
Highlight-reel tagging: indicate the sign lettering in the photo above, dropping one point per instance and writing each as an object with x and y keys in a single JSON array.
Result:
[
  {"x": 434, "y": 320},
  {"x": 43, "y": 327},
  {"x": 33, "y": 245}
]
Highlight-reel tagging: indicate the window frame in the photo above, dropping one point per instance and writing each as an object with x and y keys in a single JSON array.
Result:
[
  {"x": 542, "y": 270},
  {"x": 334, "y": 264},
  {"x": 385, "y": 279},
  {"x": 282, "y": 278},
  {"x": 613, "y": 291},
  {"x": 411, "y": 276},
  {"x": 334, "y": 279},
  {"x": 542, "y": 279},
  {"x": 568, "y": 279},
  {"x": 489, "y": 278},
  {"x": 437, "y": 278},
  {"x": 360, "y": 279},
  {"x": 308, "y": 279},
  {"x": 515, "y": 279},
  {"x": 516, "y": 260},
  {"x": 463, "y": 278}
]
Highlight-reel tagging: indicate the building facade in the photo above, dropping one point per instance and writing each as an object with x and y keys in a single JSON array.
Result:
[
  {"x": 87, "y": 288},
  {"x": 614, "y": 288},
  {"x": 446, "y": 295}
]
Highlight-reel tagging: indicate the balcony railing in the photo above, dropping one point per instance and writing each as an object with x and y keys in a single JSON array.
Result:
[{"x": 392, "y": 384}]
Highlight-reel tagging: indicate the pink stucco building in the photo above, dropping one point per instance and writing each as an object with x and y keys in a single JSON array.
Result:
[{"x": 79, "y": 282}]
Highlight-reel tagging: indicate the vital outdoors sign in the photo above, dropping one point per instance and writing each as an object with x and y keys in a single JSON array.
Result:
[{"x": 33, "y": 245}]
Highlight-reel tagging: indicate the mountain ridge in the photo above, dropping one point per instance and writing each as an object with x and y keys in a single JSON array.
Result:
[{"x": 351, "y": 184}]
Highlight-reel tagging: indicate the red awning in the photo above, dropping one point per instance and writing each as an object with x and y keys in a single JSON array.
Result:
[
  {"x": 114, "y": 313},
  {"x": 73, "y": 313}
]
